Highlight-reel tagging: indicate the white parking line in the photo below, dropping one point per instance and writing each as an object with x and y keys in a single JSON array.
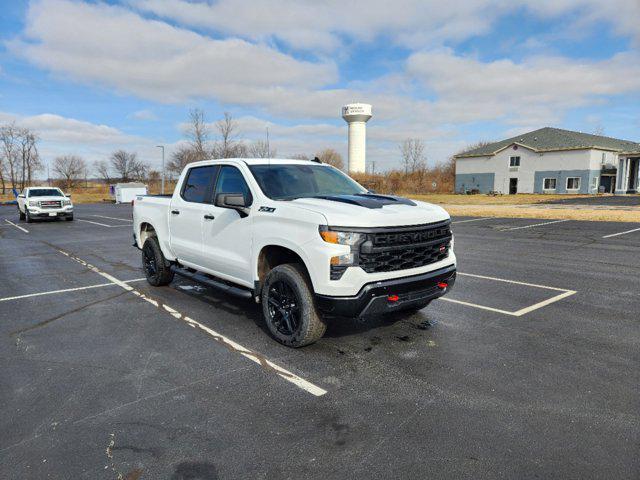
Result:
[
  {"x": 113, "y": 218},
  {"x": 102, "y": 224},
  {"x": 64, "y": 290},
  {"x": 17, "y": 226},
  {"x": 622, "y": 233},
  {"x": 518, "y": 313},
  {"x": 472, "y": 220},
  {"x": 532, "y": 226},
  {"x": 256, "y": 357}
]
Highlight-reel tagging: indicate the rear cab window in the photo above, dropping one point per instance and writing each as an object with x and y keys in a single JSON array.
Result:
[{"x": 198, "y": 184}]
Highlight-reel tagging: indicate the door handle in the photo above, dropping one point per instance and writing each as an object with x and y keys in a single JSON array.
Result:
[
  {"x": 175, "y": 212},
  {"x": 209, "y": 217}
]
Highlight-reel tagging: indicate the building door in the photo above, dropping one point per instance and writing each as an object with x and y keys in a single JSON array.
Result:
[
  {"x": 608, "y": 183},
  {"x": 513, "y": 186}
]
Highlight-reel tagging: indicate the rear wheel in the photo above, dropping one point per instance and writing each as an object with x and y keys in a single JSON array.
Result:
[
  {"x": 156, "y": 268},
  {"x": 288, "y": 307}
]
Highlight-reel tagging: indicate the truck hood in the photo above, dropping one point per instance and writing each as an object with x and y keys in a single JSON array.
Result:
[
  {"x": 47, "y": 199},
  {"x": 389, "y": 214}
]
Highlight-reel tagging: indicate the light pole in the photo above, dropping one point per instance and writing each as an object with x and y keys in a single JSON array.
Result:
[{"x": 162, "y": 187}]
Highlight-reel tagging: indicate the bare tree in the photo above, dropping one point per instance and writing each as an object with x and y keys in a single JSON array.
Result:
[
  {"x": 19, "y": 157},
  {"x": 229, "y": 145},
  {"x": 127, "y": 166},
  {"x": 413, "y": 157},
  {"x": 180, "y": 158},
  {"x": 598, "y": 129},
  {"x": 331, "y": 157},
  {"x": 102, "y": 168},
  {"x": 70, "y": 168},
  {"x": 300, "y": 156},
  {"x": 198, "y": 133},
  {"x": 261, "y": 149}
]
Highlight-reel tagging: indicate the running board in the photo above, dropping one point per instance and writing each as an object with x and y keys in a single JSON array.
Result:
[{"x": 210, "y": 282}]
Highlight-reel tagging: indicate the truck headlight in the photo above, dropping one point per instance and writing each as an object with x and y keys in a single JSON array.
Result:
[
  {"x": 66, "y": 203},
  {"x": 33, "y": 203},
  {"x": 340, "y": 238}
]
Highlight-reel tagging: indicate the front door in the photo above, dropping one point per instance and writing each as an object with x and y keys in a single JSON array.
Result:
[
  {"x": 513, "y": 186},
  {"x": 187, "y": 212},
  {"x": 227, "y": 234}
]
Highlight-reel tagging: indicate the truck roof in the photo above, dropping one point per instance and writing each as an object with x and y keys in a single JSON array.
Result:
[{"x": 257, "y": 161}]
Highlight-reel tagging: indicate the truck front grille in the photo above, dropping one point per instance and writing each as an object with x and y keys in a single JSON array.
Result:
[
  {"x": 50, "y": 204},
  {"x": 405, "y": 247}
]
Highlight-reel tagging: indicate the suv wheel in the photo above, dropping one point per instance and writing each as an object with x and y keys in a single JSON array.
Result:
[
  {"x": 21, "y": 214},
  {"x": 288, "y": 307},
  {"x": 156, "y": 268},
  {"x": 28, "y": 216}
]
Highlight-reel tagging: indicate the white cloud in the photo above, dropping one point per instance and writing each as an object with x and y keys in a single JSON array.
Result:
[
  {"x": 309, "y": 24},
  {"x": 108, "y": 45},
  {"x": 537, "y": 91},
  {"x": 144, "y": 115}
]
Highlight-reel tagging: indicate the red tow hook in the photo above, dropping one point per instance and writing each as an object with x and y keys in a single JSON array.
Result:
[
  {"x": 392, "y": 298},
  {"x": 443, "y": 285}
]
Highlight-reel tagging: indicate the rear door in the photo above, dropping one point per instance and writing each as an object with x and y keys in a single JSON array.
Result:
[
  {"x": 227, "y": 234},
  {"x": 187, "y": 212}
]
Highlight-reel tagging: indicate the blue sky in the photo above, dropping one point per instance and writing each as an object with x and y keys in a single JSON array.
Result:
[{"x": 91, "y": 77}]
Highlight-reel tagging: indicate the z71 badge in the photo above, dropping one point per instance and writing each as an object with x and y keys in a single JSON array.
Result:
[{"x": 267, "y": 209}]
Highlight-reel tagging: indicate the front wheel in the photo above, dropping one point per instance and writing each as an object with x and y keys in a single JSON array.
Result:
[
  {"x": 288, "y": 307},
  {"x": 156, "y": 268},
  {"x": 69, "y": 218},
  {"x": 28, "y": 216},
  {"x": 21, "y": 214}
]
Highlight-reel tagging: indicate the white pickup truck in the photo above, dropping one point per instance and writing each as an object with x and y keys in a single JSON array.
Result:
[
  {"x": 44, "y": 202},
  {"x": 300, "y": 237}
]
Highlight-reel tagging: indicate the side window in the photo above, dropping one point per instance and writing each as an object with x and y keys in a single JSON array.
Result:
[
  {"x": 230, "y": 180},
  {"x": 514, "y": 161},
  {"x": 197, "y": 184}
]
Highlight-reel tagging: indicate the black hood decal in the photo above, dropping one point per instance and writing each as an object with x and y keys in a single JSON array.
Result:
[{"x": 368, "y": 200}]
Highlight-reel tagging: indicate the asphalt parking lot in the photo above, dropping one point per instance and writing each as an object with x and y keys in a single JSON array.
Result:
[{"x": 530, "y": 368}]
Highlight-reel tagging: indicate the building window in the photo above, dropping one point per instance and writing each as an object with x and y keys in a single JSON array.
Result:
[
  {"x": 549, "y": 184},
  {"x": 604, "y": 158},
  {"x": 573, "y": 183},
  {"x": 514, "y": 161},
  {"x": 594, "y": 183}
]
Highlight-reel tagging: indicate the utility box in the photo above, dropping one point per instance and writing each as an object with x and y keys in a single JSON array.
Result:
[{"x": 127, "y": 192}]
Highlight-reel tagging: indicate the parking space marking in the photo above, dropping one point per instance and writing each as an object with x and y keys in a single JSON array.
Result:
[
  {"x": 622, "y": 233},
  {"x": 532, "y": 226},
  {"x": 65, "y": 290},
  {"x": 17, "y": 226},
  {"x": 523, "y": 311},
  {"x": 471, "y": 220},
  {"x": 256, "y": 357},
  {"x": 103, "y": 224},
  {"x": 113, "y": 218}
]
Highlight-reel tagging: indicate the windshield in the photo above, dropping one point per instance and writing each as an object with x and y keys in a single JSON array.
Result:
[
  {"x": 45, "y": 192},
  {"x": 286, "y": 182}
]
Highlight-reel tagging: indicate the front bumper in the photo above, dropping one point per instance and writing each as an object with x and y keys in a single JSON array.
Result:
[
  {"x": 373, "y": 298},
  {"x": 51, "y": 213}
]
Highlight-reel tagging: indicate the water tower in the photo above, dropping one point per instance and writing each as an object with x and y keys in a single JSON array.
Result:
[{"x": 357, "y": 115}]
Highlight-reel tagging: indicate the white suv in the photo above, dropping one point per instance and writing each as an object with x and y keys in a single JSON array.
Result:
[{"x": 44, "y": 202}]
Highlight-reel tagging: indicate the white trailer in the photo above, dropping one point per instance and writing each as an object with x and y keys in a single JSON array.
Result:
[{"x": 126, "y": 192}]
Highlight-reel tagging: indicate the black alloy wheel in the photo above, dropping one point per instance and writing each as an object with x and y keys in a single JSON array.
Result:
[{"x": 284, "y": 307}]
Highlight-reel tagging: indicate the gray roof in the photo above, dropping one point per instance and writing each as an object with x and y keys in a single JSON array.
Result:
[{"x": 553, "y": 139}]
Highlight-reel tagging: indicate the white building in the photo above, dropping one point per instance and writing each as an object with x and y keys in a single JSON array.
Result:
[{"x": 551, "y": 160}]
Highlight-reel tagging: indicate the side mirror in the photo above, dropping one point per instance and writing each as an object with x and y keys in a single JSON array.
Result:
[
  {"x": 22, "y": 195},
  {"x": 68, "y": 195},
  {"x": 234, "y": 201}
]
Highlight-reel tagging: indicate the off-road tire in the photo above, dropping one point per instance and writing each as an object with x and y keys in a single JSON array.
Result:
[
  {"x": 156, "y": 268},
  {"x": 21, "y": 214},
  {"x": 311, "y": 325}
]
